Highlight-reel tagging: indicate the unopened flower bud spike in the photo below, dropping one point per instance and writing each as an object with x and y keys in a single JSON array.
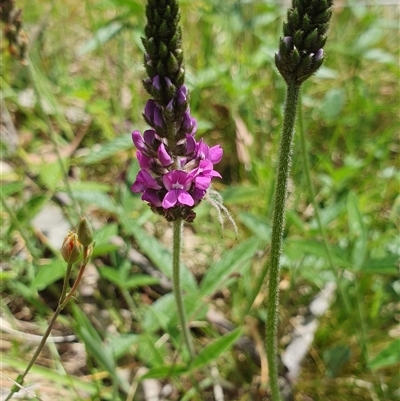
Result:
[{"x": 300, "y": 55}]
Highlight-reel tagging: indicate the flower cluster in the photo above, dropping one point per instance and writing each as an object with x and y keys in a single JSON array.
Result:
[
  {"x": 304, "y": 36},
  {"x": 175, "y": 170},
  {"x": 174, "y": 177}
]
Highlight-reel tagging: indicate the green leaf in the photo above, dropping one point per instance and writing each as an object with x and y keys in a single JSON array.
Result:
[
  {"x": 137, "y": 280},
  {"x": 11, "y": 188},
  {"x": 212, "y": 351},
  {"x": 32, "y": 207},
  {"x": 95, "y": 346},
  {"x": 256, "y": 225},
  {"x": 389, "y": 356},
  {"x": 50, "y": 175},
  {"x": 239, "y": 195},
  {"x": 160, "y": 313},
  {"x": 135, "y": 7},
  {"x": 162, "y": 258},
  {"x": 111, "y": 148},
  {"x": 95, "y": 198},
  {"x": 48, "y": 274},
  {"x": 297, "y": 248},
  {"x": 334, "y": 358},
  {"x": 160, "y": 372},
  {"x": 48, "y": 100},
  {"x": 385, "y": 265},
  {"x": 89, "y": 186},
  {"x": 148, "y": 352},
  {"x": 357, "y": 232},
  {"x": 332, "y": 104},
  {"x": 70, "y": 381},
  {"x": 231, "y": 261},
  {"x": 104, "y": 249},
  {"x": 102, "y": 36},
  {"x": 119, "y": 346}
]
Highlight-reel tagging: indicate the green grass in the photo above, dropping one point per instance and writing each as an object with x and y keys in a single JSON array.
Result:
[{"x": 85, "y": 60}]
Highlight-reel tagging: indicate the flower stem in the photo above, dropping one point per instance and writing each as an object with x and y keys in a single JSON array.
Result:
[
  {"x": 177, "y": 239},
  {"x": 62, "y": 303},
  {"x": 278, "y": 224}
]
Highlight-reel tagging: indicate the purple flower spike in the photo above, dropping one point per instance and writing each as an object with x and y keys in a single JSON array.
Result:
[
  {"x": 143, "y": 181},
  {"x": 177, "y": 182},
  {"x": 163, "y": 156}
]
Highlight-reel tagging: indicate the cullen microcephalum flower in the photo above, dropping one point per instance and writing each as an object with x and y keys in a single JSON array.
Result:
[{"x": 175, "y": 169}]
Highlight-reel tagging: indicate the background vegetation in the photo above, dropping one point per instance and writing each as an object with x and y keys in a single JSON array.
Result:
[{"x": 73, "y": 108}]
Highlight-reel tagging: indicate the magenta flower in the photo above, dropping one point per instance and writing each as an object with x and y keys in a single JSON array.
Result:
[
  {"x": 203, "y": 174},
  {"x": 204, "y": 152},
  {"x": 143, "y": 181},
  {"x": 177, "y": 183},
  {"x": 176, "y": 171}
]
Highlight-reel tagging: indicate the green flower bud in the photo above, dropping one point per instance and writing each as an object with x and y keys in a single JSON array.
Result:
[
  {"x": 71, "y": 248},
  {"x": 85, "y": 232}
]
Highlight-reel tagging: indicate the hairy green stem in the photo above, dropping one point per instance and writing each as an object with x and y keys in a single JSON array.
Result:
[
  {"x": 278, "y": 224},
  {"x": 177, "y": 239}
]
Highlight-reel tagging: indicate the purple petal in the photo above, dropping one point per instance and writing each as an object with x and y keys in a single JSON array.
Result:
[
  {"x": 151, "y": 196},
  {"x": 182, "y": 94},
  {"x": 215, "y": 154},
  {"x": 143, "y": 181},
  {"x": 185, "y": 198},
  {"x": 170, "y": 105},
  {"x": 198, "y": 194},
  {"x": 156, "y": 82},
  {"x": 158, "y": 120},
  {"x": 169, "y": 200},
  {"x": 177, "y": 179},
  {"x": 288, "y": 40},
  {"x": 144, "y": 161},
  {"x": 189, "y": 124},
  {"x": 203, "y": 182},
  {"x": 149, "y": 109},
  {"x": 163, "y": 156},
  {"x": 205, "y": 166},
  {"x": 319, "y": 54},
  {"x": 168, "y": 82},
  {"x": 138, "y": 140},
  {"x": 149, "y": 136},
  {"x": 202, "y": 150},
  {"x": 190, "y": 144}
]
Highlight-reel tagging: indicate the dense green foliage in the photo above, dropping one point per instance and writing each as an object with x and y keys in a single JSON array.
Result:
[{"x": 73, "y": 107}]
